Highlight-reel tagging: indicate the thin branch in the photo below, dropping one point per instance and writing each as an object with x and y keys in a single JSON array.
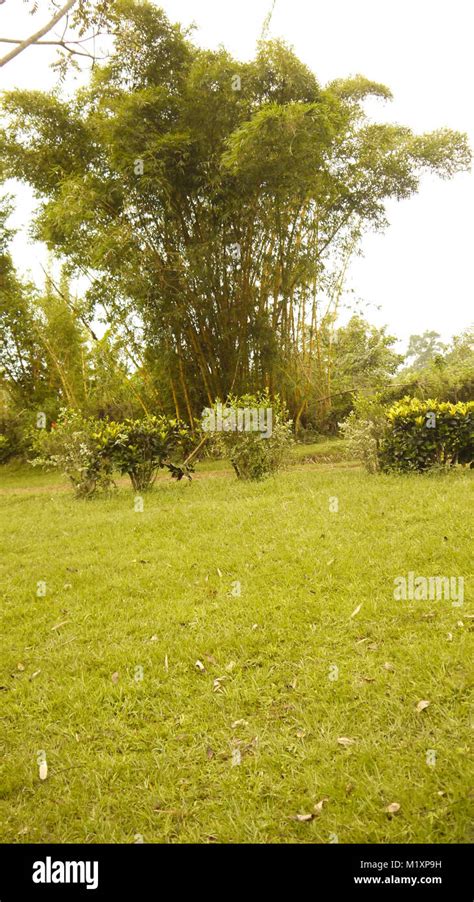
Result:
[{"x": 34, "y": 38}]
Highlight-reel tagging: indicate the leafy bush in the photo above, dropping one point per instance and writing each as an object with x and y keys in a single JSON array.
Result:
[
  {"x": 411, "y": 434},
  {"x": 141, "y": 447},
  {"x": 426, "y": 434},
  {"x": 13, "y": 441},
  {"x": 75, "y": 446},
  {"x": 364, "y": 430},
  {"x": 256, "y": 441}
]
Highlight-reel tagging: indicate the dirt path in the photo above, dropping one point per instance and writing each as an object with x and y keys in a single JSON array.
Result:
[{"x": 123, "y": 481}]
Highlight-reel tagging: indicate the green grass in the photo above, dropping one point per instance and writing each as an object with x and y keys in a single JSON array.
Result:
[{"x": 153, "y": 590}]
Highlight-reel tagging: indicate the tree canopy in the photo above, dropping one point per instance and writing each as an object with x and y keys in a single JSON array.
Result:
[{"x": 214, "y": 204}]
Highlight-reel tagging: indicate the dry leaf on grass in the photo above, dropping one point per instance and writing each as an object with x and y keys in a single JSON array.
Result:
[
  {"x": 356, "y": 611},
  {"x": 319, "y": 805},
  {"x": 303, "y": 818},
  {"x": 388, "y": 666},
  {"x": 393, "y": 808},
  {"x": 200, "y": 666},
  {"x": 209, "y": 753},
  {"x": 343, "y": 740},
  {"x": 422, "y": 705},
  {"x": 115, "y": 677}
]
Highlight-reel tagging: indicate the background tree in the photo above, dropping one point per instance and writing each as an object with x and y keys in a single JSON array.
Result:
[{"x": 215, "y": 204}]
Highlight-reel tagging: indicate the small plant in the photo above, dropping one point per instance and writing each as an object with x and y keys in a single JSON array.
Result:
[
  {"x": 141, "y": 447},
  {"x": 364, "y": 430},
  {"x": 74, "y": 445},
  {"x": 255, "y": 434}
]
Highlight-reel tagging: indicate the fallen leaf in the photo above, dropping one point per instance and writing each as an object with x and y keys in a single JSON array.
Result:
[
  {"x": 35, "y": 674},
  {"x": 393, "y": 808},
  {"x": 209, "y": 753},
  {"x": 450, "y": 637},
  {"x": 239, "y": 723},
  {"x": 23, "y": 831},
  {"x": 356, "y": 611},
  {"x": 301, "y": 734},
  {"x": 350, "y": 788},
  {"x": 43, "y": 770},
  {"x": 303, "y": 817},
  {"x": 166, "y": 663},
  {"x": 367, "y": 679},
  {"x": 319, "y": 805},
  {"x": 115, "y": 677},
  {"x": 388, "y": 666},
  {"x": 236, "y": 757},
  {"x": 211, "y": 659},
  {"x": 255, "y": 626},
  {"x": 230, "y": 666},
  {"x": 373, "y": 646},
  {"x": 58, "y": 625},
  {"x": 154, "y": 639},
  {"x": 422, "y": 705},
  {"x": 343, "y": 740},
  {"x": 200, "y": 666},
  {"x": 20, "y": 666},
  {"x": 219, "y": 572}
]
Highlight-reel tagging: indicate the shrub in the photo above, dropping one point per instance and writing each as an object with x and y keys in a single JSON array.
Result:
[
  {"x": 364, "y": 430},
  {"x": 141, "y": 447},
  {"x": 256, "y": 442},
  {"x": 75, "y": 446},
  {"x": 13, "y": 441},
  {"x": 411, "y": 434},
  {"x": 426, "y": 434}
]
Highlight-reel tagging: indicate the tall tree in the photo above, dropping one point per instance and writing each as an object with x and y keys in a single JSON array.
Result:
[{"x": 215, "y": 203}]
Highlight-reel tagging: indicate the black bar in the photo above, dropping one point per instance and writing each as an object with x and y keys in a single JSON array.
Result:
[{"x": 150, "y": 871}]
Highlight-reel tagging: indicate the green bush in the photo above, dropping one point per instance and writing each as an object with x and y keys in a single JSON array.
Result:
[
  {"x": 364, "y": 430},
  {"x": 424, "y": 434},
  {"x": 13, "y": 441},
  {"x": 256, "y": 442},
  {"x": 141, "y": 447},
  {"x": 411, "y": 434},
  {"x": 74, "y": 446}
]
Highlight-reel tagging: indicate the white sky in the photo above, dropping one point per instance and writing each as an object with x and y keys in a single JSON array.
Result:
[{"x": 419, "y": 270}]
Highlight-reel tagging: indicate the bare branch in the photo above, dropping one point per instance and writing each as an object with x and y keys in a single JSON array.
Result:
[{"x": 35, "y": 38}]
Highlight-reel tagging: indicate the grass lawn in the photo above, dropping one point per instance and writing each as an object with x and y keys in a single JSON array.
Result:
[{"x": 101, "y": 673}]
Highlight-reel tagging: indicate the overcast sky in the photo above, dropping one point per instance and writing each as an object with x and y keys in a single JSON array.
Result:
[{"x": 420, "y": 270}]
